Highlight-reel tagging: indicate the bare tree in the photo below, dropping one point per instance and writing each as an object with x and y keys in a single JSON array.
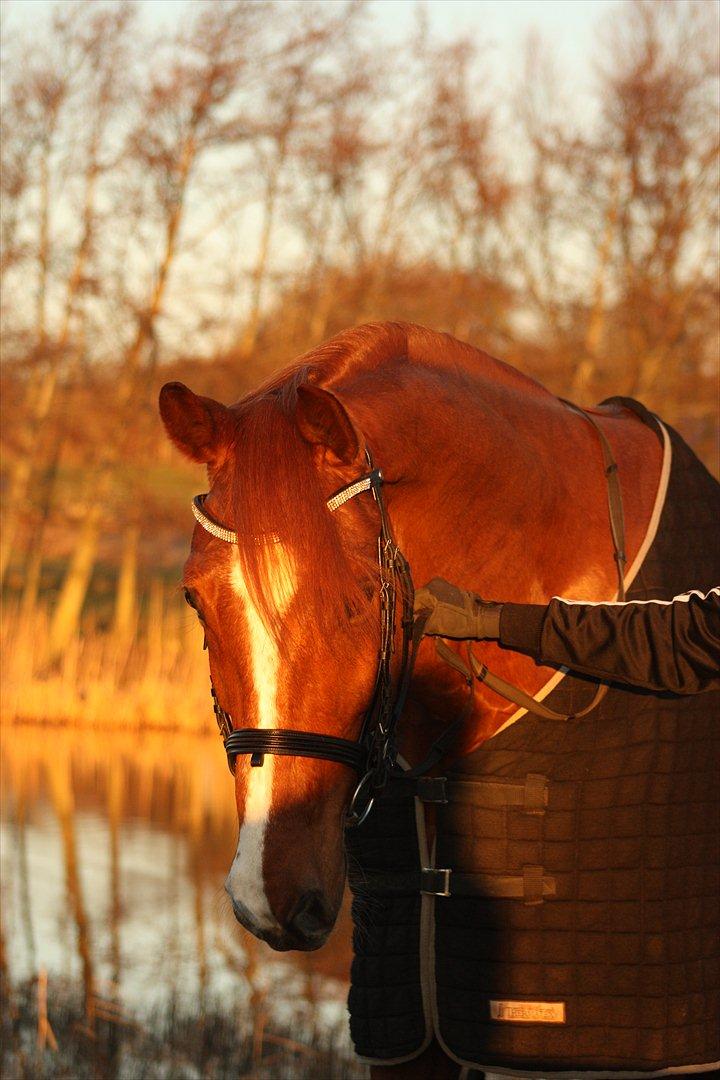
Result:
[
  {"x": 197, "y": 102},
  {"x": 464, "y": 183},
  {"x": 621, "y": 214},
  {"x": 36, "y": 100},
  {"x": 659, "y": 142},
  {"x": 302, "y": 77}
]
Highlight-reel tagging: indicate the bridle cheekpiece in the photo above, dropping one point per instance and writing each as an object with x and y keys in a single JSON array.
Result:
[{"x": 373, "y": 756}]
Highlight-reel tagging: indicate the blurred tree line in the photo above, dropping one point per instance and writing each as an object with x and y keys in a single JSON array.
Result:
[{"x": 206, "y": 203}]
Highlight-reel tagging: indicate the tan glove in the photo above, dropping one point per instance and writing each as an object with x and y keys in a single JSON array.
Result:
[{"x": 456, "y": 613}]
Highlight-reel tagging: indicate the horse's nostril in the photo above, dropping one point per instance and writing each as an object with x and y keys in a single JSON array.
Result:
[{"x": 310, "y": 918}]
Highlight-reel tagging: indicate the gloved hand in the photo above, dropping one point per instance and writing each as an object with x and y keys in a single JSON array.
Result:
[{"x": 455, "y": 613}]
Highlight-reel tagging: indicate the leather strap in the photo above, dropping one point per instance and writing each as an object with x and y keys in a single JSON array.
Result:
[
  {"x": 284, "y": 741},
  {"x": 442, "y": 745},
  {"x": 533, "y": 886},
  {"x": 519, "y": 697},
  {"x": 530, "y": 797},
  {"x": 506, "y": 689},
  {"x": 614, "y": 496},
  {"x": 355, "y": 487}
]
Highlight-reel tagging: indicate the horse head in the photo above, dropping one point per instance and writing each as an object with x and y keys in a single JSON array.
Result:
[{"x": 290, "y": 612}]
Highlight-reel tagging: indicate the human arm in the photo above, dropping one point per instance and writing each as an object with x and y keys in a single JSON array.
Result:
[
  {"x": 658, "y": 645},
  {"x": 664, "y": 645}
]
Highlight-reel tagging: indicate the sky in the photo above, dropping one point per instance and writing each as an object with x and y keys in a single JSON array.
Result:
[
  {"x": 571, "y": 25},
  {"x": 567, "y": 18}
]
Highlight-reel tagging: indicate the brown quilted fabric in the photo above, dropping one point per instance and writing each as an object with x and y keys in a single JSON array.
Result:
[{"x": 630, "y": 941}]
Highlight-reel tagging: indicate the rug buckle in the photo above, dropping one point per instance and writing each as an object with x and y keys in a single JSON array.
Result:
[{"x": 435, "y": 882}]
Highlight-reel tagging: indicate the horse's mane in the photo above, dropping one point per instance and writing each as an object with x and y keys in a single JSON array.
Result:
[
  {"x": 276, "y": 489},
  {"x": 361, "y": 349}
]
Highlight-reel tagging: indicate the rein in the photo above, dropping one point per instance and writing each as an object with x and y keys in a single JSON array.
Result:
[{"x": 374, "y": 756}]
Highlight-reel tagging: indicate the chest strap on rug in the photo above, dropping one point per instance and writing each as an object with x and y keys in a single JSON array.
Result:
[
  {"x": 529, "y": 797},
  {"x": 533, "y": 886}
]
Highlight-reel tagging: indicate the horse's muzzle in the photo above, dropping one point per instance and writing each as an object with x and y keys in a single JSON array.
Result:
[{"x": 307, "y": 928}]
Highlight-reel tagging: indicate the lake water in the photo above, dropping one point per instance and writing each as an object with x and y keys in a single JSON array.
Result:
[{"x": 113, "y": 853}]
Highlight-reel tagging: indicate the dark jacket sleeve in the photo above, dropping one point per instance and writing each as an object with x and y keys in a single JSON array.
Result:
[{"x": 654, "y": 644}]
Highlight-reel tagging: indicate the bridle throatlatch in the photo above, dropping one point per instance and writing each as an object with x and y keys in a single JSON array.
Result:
[{"x": 374, "y": 755}]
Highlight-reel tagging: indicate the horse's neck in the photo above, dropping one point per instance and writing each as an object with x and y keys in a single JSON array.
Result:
[{"x": 502, "y": 491}]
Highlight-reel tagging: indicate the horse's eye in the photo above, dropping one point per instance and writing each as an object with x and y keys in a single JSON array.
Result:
[{"x": 190, "y": 600}]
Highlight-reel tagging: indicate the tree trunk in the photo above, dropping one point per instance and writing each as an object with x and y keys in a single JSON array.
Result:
[
  {"x": 43, "y": 246},
  {"x": 77, "y": 579},
  {"x": 252, "y": 326},
  {"x": 66, "y": 616},
  {"x": 34, "y": 563},
  {"x": 155, "y": 628},
  {"x": 62, "y": 795},
  {"x": 585, "y": 370},
  {"x": 41, "y": 390},
  {"x": 126, "y": 593},
  {"x": 31, "y": 584}
]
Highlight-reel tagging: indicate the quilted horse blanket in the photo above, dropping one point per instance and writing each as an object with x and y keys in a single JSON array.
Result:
[{"x": 571, "y": 925}]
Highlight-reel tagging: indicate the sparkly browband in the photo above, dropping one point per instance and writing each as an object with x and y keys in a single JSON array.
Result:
[
  {"x": 208, "y": 524},
  {"x": 365, "y": 483}
]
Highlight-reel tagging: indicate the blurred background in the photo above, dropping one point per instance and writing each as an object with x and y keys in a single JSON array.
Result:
[{"x": 203, "y": 191}]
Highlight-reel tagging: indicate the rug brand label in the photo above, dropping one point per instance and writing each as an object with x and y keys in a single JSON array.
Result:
[{"x": 534, "y": 1012}]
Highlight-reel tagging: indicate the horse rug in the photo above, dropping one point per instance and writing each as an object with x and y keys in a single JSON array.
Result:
[{"x": 570, "y": 924}]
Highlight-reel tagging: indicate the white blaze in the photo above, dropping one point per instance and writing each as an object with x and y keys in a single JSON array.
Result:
[{"x": 245, "y": 880}]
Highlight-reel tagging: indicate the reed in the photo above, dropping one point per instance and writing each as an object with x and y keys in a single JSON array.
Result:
[{"x": 155, "y": 677}]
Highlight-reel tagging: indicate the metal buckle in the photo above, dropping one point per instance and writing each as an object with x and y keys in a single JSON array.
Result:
[
  {"x": 222, "y": 718},
  {"x": 431, "y": 878}
]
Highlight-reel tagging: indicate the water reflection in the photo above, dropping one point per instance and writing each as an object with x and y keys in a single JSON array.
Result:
[{"x": 113, "y": 851}]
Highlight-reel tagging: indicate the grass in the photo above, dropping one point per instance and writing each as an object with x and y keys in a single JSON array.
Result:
[{"x": 173, "y": 1045}]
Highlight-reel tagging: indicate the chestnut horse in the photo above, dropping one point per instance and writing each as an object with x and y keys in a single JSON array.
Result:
[{"x": 489, "y": 480}]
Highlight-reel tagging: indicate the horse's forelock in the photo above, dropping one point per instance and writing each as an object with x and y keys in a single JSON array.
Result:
[{"x": 277, "y": 497}]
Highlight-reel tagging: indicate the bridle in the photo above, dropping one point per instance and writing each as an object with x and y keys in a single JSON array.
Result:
[{"x": 373, "y": 756}]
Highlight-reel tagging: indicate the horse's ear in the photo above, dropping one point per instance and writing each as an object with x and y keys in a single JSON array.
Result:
[
  {"x": 200, "y": 427},
  {"x": 323, "y": 421}
]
